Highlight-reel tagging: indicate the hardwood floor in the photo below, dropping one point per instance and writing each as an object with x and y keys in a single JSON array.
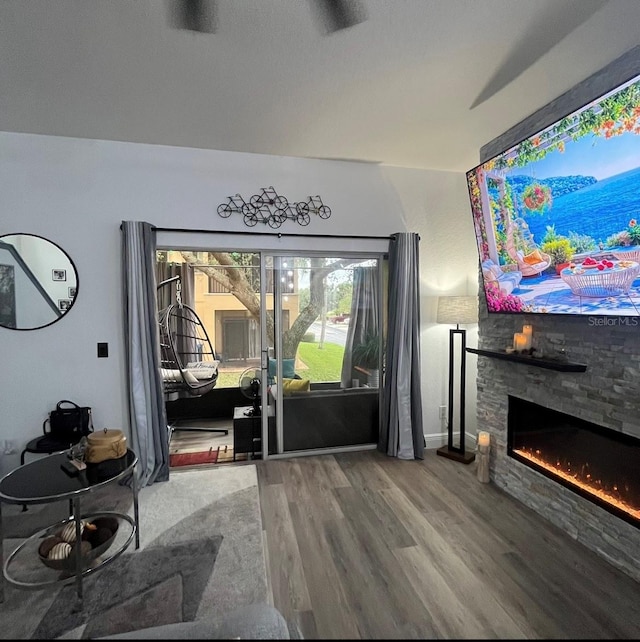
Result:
[{"x": 364, "y": 546}]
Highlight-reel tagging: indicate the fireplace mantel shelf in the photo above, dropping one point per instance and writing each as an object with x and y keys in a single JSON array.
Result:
[{"x": 549, "y": 364}]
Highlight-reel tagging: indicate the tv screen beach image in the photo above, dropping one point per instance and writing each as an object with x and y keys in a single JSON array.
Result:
[{"x": 557, "y": 216}]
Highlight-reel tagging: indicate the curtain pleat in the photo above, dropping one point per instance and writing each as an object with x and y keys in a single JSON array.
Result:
[
  {"x": 167, "y": 294},
  {"x": 147, "y": 414},
  {"x": 363, "y": 319},
  {"x": 401, "y": 433}
]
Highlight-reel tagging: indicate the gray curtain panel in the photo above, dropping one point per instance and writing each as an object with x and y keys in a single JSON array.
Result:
[
  {"x": 167, "y": 294},
  {"x": 147, "y": 414},
  {"x": 363, "y": 319},
  {"x": 401, "y": 432}
]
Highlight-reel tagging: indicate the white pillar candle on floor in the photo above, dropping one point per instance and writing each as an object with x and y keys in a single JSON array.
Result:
[{"x": 482, "y": 469}]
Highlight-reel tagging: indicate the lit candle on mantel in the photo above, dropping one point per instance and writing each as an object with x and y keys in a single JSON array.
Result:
[
  {"x": 527, "y": 330},
  {"x": 484, "y": 439},
  {"x": 519, "y": 341}
]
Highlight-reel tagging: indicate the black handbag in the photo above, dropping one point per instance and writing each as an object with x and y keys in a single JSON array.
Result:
[{"x": 70, "y": 423}]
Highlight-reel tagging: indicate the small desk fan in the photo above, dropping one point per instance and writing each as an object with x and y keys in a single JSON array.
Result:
[{"x": 250, "y": 386}]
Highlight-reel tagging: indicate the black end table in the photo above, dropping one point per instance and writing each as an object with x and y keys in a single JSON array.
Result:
[
  {"x": 247, "y": 432},
  {"x": 44, "y": 445}
]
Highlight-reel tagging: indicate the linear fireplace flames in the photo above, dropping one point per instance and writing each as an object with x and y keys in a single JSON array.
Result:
[{"x": 599, "y": 464}]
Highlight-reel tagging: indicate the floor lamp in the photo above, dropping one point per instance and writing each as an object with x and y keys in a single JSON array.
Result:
[{"x": 457, "y": 310}]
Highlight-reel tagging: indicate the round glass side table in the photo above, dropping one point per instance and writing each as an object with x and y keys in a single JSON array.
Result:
[{"x": 45, "y": 481}]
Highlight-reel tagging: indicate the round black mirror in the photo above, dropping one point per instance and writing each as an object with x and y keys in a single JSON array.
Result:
[{"x": 38, "y": 282}]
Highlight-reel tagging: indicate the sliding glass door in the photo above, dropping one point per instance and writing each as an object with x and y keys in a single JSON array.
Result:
[
  {"x": 299, "y": 339},
  {"x": 324, "y": 357}
]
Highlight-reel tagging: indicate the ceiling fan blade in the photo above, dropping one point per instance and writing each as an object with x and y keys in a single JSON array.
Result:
[
  {"x": 195, "y": 15},
  {"x": 340, "y": 14},
  {"x": 533, "y": 46},
  {"x": 201, "y": 15}
]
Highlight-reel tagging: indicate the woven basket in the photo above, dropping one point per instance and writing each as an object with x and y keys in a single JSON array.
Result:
[{"x": 102, "y": 445}]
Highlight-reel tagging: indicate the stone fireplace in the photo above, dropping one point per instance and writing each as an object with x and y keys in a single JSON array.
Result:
[
  {"x": 602, "y": 400},
  {"x": 598, "y": 464},
  {"x": 606, "y": 394}
]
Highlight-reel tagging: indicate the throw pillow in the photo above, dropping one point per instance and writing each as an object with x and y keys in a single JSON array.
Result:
[
  {"x": 488, "y": 274},
  {"x": 191, "y": 378},
  {"x": 288, "y": 368},
  {"x": 176, "y": 375},
  {"x": 169, "y": 374},
  {"x": 533, "y": 257},
  {"x": 295, "y": 385},
  {"x": 203, "y": 369}
]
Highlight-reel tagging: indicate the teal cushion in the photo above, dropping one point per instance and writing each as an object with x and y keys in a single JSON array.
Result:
[{"x": 288, "y": 368}]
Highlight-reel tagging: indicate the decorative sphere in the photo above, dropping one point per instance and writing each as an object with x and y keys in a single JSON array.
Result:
[
  {"x": 47, "y": 544},
  {"x": 68, "y": 533},
  {"x": 60, "y": 551},
  {"x": 101, "y": 536},
  {"x": 107, "y": 521}
]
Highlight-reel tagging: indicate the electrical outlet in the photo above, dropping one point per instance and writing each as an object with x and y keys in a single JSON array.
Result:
[{"x": 443, "y": 412}]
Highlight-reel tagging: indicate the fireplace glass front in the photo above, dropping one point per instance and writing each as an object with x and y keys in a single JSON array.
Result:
[{"x": 599, "y": 464}]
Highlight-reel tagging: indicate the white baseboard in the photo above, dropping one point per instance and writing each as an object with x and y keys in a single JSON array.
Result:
[{"x": 436, "y": 440}]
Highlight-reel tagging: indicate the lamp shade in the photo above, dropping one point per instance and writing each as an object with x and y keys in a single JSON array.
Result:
[{"x": 457, "y": 309}]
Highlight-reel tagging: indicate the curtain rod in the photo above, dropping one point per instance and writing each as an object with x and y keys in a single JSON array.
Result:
[{"x": 278, "y": 234}]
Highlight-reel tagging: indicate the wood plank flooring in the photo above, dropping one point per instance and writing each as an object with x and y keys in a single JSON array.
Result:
[{"x": 365, "y": 546}]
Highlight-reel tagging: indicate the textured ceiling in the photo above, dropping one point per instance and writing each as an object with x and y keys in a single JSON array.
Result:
[{"x": 420, "y": 83}]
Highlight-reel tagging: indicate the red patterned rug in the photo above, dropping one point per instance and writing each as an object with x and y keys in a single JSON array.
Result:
[
  {"x": 217, "y": 455},
  {"x": 191, "y": 459}
]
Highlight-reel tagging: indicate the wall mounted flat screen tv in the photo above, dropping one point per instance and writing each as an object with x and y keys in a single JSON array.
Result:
[{"x": 557, "y": 216}]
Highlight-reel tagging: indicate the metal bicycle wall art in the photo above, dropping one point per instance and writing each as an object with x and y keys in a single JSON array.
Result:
[{"x": 273, "y": 210}]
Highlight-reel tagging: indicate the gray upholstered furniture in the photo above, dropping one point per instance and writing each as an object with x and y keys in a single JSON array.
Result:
[{"x": 253, "y": 622}]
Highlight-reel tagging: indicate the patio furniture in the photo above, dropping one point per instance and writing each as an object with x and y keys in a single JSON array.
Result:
[
  {"x": 631, "y": 253},
  {"x": 530, "y": 264},
  {"x": 506, "y": 278},
  {"x": 592, "y": 282},
  {"x": 533, "y": 263}
]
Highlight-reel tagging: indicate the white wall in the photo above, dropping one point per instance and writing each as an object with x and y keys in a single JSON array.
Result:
[{"x": 76, "y": 192}]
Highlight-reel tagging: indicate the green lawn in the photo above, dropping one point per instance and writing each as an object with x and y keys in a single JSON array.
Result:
[
  {"x": 227, "y": 379},
  {"x": 322, "y": 365}
]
